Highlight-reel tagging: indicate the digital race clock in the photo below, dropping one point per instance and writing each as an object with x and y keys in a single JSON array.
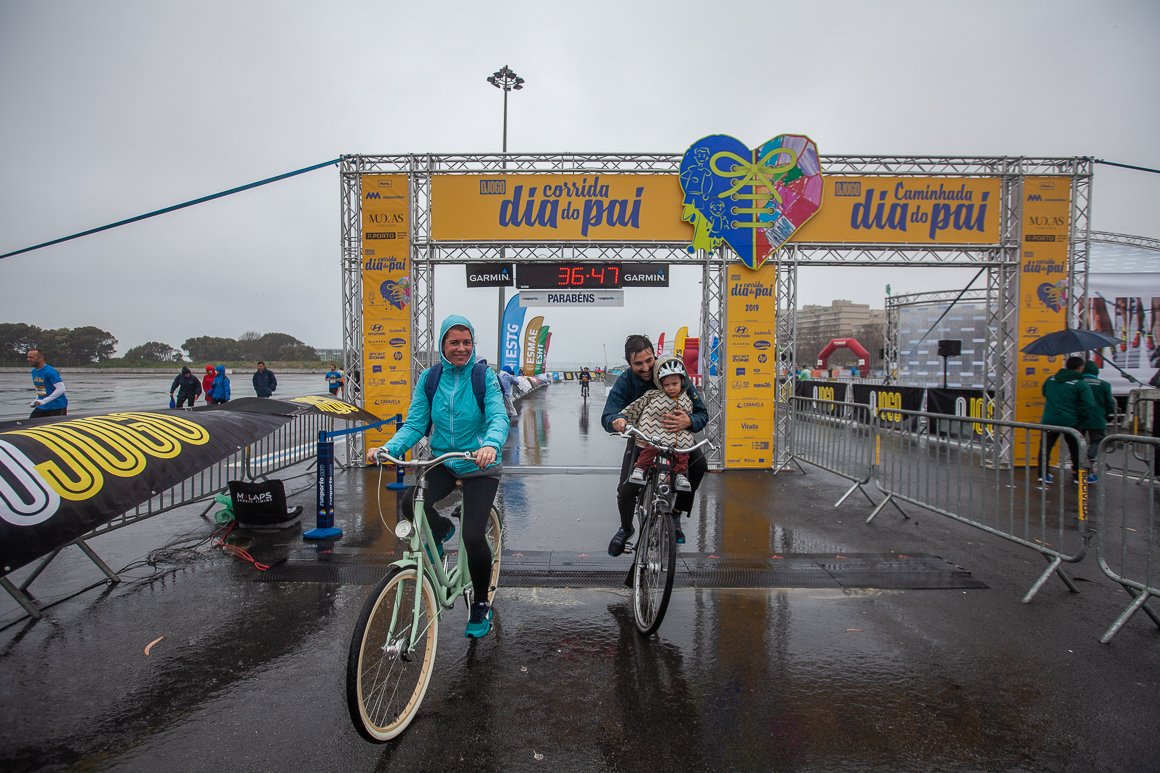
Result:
[{"x": 568, "y": 276}]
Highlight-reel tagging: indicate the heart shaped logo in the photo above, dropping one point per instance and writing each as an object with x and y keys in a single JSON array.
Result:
[
  {"x": 753, "y": 200},
  {"x": 398, "y": 294}
]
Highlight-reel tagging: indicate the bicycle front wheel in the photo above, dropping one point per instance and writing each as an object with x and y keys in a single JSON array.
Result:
[
  {"x": 656, "y": 563},
  {"x": 494, "y": 537},
  {"x": 392, "y": 654}
]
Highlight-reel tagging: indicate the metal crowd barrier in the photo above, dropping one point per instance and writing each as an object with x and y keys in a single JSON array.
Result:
[
  {"x": 1128, "y": 523},
  {"x": 950, "y": 465},
  {"x": 834, "y": 436}
]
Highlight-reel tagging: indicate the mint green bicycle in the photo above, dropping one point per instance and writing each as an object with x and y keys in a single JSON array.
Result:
[{"x": 392, "y": 651}]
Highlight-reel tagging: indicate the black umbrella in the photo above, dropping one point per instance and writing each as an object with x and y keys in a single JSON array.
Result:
[{"x": 1069, "y": 340}]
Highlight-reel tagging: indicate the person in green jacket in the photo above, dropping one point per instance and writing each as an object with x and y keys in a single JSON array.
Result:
[
  {"x": 1095, "y": 426},
  {"x": 1069, "y": 403}
]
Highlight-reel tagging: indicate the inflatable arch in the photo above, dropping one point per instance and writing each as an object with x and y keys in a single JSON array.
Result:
[{"x": 846, "y": 343}]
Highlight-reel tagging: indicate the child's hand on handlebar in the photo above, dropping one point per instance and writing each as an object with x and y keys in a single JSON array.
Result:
[{"x": 376, "y": 456}]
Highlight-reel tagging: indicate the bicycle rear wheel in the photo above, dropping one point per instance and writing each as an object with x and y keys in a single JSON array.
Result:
[
  {"x": 386, "y": 679},
  {"x": 494, "y": 537},
  {"x": 656, "y": 562}
]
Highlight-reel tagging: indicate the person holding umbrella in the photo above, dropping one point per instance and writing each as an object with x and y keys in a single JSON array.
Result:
[{"x": 1069, "y": 403}]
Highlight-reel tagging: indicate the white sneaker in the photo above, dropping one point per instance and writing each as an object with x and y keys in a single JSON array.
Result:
[
  {"x": 637, "y": 477},
  {"x": 682, "y": 483}
]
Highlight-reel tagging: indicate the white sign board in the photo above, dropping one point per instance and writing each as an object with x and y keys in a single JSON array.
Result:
[{"x": 571, "y": 298}]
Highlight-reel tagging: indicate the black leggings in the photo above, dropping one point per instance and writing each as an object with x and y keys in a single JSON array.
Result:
[
  {"x": 183, "y": 399},
  {"x": 626, "y": 493},
  {"x": 478, "y": 497}
]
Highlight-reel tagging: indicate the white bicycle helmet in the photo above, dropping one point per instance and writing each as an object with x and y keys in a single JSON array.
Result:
[{"x": 670, "y": 366}]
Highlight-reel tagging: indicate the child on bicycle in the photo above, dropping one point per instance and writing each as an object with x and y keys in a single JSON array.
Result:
[
  {"x": 646, "y": 412},
  {"x": 457, "y": 424}
]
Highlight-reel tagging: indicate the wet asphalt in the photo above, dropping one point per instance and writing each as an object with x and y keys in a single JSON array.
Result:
[{"x": 801, "y": 677}]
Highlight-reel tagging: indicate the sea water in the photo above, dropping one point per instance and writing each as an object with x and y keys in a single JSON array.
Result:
[{"x": 92, "y": 391}]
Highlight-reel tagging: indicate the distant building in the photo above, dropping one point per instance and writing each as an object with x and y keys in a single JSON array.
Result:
[
  {"x": 330, "y": 355},
  {"x": 816, "y": 326}
]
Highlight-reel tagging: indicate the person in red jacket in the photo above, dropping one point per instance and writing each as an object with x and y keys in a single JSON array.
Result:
[{"x": 207, "y": 382}]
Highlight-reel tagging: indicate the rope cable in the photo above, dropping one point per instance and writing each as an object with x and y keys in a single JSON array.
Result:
[{"x": 174, "y": 208}]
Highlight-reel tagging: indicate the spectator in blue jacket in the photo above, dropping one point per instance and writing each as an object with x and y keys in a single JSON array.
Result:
[{"x": 219, "y": 392}]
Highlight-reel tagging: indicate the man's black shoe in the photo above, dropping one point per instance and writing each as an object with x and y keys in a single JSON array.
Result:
[{"x": 616, "y": 546}]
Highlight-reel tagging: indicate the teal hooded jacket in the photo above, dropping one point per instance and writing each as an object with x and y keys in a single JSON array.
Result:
[{"x": 456, "y": 421}]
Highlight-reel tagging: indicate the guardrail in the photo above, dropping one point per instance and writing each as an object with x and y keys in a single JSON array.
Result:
[
  {"x": 1128, "y": 523},
  {"x": 834, "y": 436},
  {"x": 950, "y": 465}
]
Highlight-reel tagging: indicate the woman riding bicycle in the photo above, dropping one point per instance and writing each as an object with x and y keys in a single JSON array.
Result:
[{"x": 457, "y": 424}]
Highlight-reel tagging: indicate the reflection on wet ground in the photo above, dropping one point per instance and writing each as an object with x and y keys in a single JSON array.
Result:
[{"x": 250, "y": 675}]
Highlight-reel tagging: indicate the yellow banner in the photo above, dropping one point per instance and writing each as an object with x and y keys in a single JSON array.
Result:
[
  {"x": 386, "y": 299},
  {"x": 553, "y": 207},
  {"x": 905, "y": 210},
  {"x": 629, "y": 208},
  {"x": 679, "y": 341},
  {"x": 750, "y": 370},
  {"x": 1043, "y": 288}
]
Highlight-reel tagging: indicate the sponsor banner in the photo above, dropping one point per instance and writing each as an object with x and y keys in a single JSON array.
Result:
[
  {"x": 1042, "y": 294},
  {"x": 632, "y": 208},
  {"x": 750, "y": 310},
  {"x": 962, "y": 403},
  {"x": 490, "y": 275},
  {"x": 885, "y": 398},
  {"x": 1126, "y": 306},
  {"x": 61, "y": 479},
  {"x": 679, "y": 341},
  {"x": 645, "y": 275},
  {"x": 821, "y": 390},
  {"x": 386, "y": 299},
  {"x": 531, "y": 346},
  {"x": 571, "y": 298},
  {"x": 513, "y": 320},
  {"x": 541, "y": 349},
  {"x": 905, "y": 210},
  {"x": 557, "y": 207}
]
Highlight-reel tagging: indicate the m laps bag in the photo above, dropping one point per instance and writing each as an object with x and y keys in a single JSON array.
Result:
[{"x": 262, "y": 505}]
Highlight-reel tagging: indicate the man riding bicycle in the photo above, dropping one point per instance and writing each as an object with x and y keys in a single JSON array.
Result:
[
  {"x": 585, "y": 379},
  {"x": 632, "y": 384}
]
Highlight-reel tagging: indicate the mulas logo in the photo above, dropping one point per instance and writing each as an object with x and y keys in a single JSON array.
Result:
[
  {"x": 397, "y": 342},
  {"x": 761, "y": 344}
]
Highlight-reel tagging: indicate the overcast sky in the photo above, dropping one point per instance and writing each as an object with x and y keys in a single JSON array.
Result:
[{"x": 114, "y": 109}]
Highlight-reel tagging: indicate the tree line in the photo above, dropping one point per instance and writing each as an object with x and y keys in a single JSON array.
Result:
[{"x": 88, "y": 345}]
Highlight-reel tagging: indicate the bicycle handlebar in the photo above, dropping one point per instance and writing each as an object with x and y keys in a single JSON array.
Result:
[
  {"x": 383, "y": 456},
  {"x": 631, "y": 432}
]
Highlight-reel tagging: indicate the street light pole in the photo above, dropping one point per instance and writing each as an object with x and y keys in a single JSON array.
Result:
[{"x": 506, "y": 80}]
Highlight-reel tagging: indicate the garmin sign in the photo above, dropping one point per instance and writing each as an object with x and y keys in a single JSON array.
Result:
[{"x": 490, "y": 275}]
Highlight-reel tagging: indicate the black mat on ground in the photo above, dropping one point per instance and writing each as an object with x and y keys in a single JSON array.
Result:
[{"x": 559, "y": 569}]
